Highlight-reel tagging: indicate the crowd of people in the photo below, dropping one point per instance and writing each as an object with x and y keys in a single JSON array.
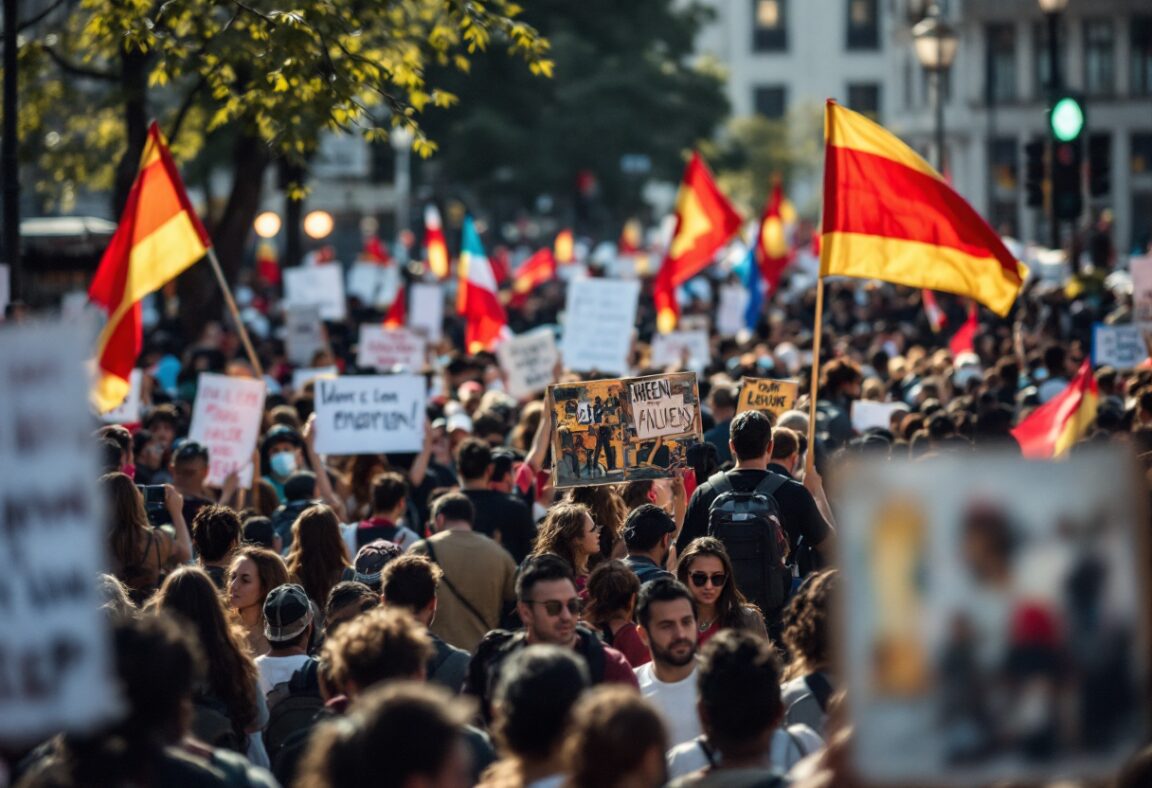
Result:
[{"x": 448, "y": 618}]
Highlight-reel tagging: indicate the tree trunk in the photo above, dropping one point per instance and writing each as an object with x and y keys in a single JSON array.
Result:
[{"x": 134, "y": 83}]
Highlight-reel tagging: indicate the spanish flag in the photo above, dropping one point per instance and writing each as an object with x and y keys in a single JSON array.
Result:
[
  {"x": 435, "y": 247},
  {"x": 1053, "y": 428},
  {"x": 888, "y": 215},
  {"x": 705, "y": 221},
  {"x": 159, "y": 236},
  {"x": 772, "y": 252}
]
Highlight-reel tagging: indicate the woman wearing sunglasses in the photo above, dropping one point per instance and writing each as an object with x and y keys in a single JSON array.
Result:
[
  {"x": 707, "y": 571},
  {"x": 570, "y": 532}
]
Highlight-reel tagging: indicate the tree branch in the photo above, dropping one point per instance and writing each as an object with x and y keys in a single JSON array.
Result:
[
  {"x": 40, "y": 17},
  {"x": 78, "y": 70},
  {"x": 185, "y": 106}
]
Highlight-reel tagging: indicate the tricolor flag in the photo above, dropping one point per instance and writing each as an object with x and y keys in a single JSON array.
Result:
[
  {"x": 964, "y": 340},
  {"x": 159, "y": 236},
  {"x": 888, "y": 215},
  {"x": 477, "y": 297},
  {"x": 435, "y": 248},
  {"x": 752, "y": 278},
  {"x": 705, "y": 221},
  {"x": 936, "y": 317},
  {"x": 533, "y": 272},
  {"x": 564, "y": 248},
  {"x": 397, "y": 316},
  {"x": 1054, "y": 427},
  {"x": 772, "y": 252}
]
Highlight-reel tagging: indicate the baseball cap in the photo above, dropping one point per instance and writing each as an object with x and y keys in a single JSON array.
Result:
[
  {"x": 645, "y": 525},
  {"x": 371, "y": 559},
  {"x": 287, "y": 613},
  {"x": 459, "y": 421}
]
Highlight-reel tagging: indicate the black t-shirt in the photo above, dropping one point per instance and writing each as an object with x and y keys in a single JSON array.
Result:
[
  {"x": 506, "y": 514},
  {"x": 801, "y": 518}
]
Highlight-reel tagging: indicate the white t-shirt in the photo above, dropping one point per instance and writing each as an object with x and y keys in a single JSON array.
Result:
[
  {"x": 274, "y": 670},
  {"x": 676, "y": 702},
  {"x": 788, "y": 748}
]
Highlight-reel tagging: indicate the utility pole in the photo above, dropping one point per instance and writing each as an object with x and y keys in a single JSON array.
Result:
[{"x": 9, "y": 153}]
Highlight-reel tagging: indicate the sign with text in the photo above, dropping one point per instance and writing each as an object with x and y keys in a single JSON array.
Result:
[
  {"x": 426, "y": 311},
  {"x": 599, "y": 318},
  {"x": 56, "y": 662},
  {"x": 673, "y": 348},
  {"x": 384, "y": 348},
  {"x": 1121, "y": 346},
  {"x": 129, "y": 410},
  {"x": 302, "y": 377},
  {"x": 304, "y": 333},
  {"x": 322, "y": 285},
  {"x": 730, "y": 312},
  {"x": 226, "y": 419},
  {"x": 1140, "y": 269},
  {"x": 528, "y": 361},
  {"x": 765, "y": 394},
  {"x": 370, "y": 414},
  {"x": 372, "y": 283},
  {"x": 867, "y": 415}
]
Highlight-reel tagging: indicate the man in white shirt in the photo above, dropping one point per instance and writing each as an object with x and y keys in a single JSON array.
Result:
[
  {"x": 666, "y": 613},
  {"x": 288, "y": 626}
]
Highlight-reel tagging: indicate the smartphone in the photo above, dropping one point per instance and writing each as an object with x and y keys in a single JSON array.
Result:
[{"x": 153, "y": 493}]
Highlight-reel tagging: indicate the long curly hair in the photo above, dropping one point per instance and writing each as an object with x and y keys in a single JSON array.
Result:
[
  {"x": 730, "y": 603},
  {"x": 807, "y": 625},
  {"x": 607, "y": 507},
  {"x": 319, "y": 555},
  {"x": 127, "y": 520},
  {"x": 190, "y": 593},
  {"x": 563, "y": 526}
]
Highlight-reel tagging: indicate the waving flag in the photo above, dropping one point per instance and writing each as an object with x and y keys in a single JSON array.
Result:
[
  {"x": 772, "y": 252},
  {"x": 397, "y": 316},
  {"x": 159, "y": 236},
  {"x": 477, "y": 297},
  {"x": 936, "y": 317},
  {"x": 752, "y": 278},
  {"x": 888, "y": 215},
  {"x": 564, "y": 248},
  {"x": 964, "y": 340},
  {"x": 435, "y": 248},
  {"x": 533, "y": 272},
  {"x": 1054, "y": 427}
]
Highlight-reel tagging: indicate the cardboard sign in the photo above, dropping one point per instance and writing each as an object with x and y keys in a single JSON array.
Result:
[
  {"x": 765, "y": 394},
  {"x": 867, "y": 415},
  {"x": 528, "y": 361},
  {"x": 1141, "y": 270},
  {"x": 129, "y": 410},
  {"x": 385, "y": 348},
  {"x": 322, "y": 285},
  {"x": 621, "y": 429},
  {"x": 599, "y": 318},
  {"x": 305, "y": 333},
  {"x": 1121, "y": 346},
  {"x": 370, "y": 414},
  {"x": 980, "y": 599},
  {"x": 426, "y": 311},
  {"x": 56, "y": 660},
  {"x": 671, "y": 348},
  {"x": 730, "y": 311},
  {"x": 301, "y": 377},
  {"x": 226, "y": 419}
]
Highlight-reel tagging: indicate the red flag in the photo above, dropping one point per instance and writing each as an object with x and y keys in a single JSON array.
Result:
[
  {"x": 772, "y": 252},
  {"x": 964, "y": 340},
  {"x": 936, "y": 317},
  {"x": 631, "y": 237},
  {"x": 1054, "y": 427},
  {"x": 397, "y": 316},
  {"x": 435, "y": 247},
  {"x": 501, "y": 268},
  {"x": 533, "y": 272},
  {"x": 267, "y": 263},
  {"x": 477, "y": 298},
  {"x": 374, "y": 252}
]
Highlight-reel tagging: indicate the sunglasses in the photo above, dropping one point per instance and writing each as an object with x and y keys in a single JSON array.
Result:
[
  {"x": 554, "y": 606},
  {"x": 701, "y": 579}
]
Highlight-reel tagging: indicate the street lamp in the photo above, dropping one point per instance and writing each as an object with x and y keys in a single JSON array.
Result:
[
  {"x": 401, "y": 137},
  {"x": 267, "y": 225},
  {"x": 1052, "y": 10},
  {"x": 935, "y": 42}
]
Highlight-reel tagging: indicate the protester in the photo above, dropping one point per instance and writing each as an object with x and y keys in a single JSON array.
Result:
[
  {"x": 370, "y": 561},
  {"x": 499, "y": 515},
  {"x": 667, "y": 615},
  {"x": 216, "y": 535},
  {"x": 142, "y": 553},
  {"x": 389, "y": 502},
  {"x": 252, "y": 576},
  {"x": 318, "y": 558},
  {"x": 616, "y": 740},
  {"x": 299, "y": 493},
  {"x": 608, "y": 510},
  {"x": 648, "y": 533},
  {"x": 258, "y": 532},
  {"x": 190, "y": 477},
  {"x": 808, "y": 681},
  {"x": 706, "y": 570},
  {"x": 288, "y": 626},
  {"x": 149, "y": 452},
  {"x": 377, "y": 646},
  {"x": 570, "y": 533},
  {"x": 346, "y": 601},
  {"x": 612, "y": 589},
  {"x": 722, "y": 400}
]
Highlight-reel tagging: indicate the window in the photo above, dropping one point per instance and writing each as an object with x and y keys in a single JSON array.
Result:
[
  {"x": 769, "y": 25},
  {"x": 864, "y": 97},
  {"x": 771, "y": 101},
  {"x": 1042, "y": 58},
  {"x": 863, "y": 24},
  {"x": 1099, "y": 60},
  {"x": 1001, "y": 64},
  {"x": 1141, "y": 161},
  {"x": 1003, "y": 161},
  {"x": 1141, "y": 55}
]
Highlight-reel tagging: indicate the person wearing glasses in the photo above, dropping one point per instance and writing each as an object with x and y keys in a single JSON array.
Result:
[{"x": 707, "y": 571}]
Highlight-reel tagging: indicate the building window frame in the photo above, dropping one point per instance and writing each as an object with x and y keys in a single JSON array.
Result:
[
  {"x": 1099, "y": 56},
  {"x": 769, "y": 25},
  {"x": 1000, "y": 63},
  {"x": 1140, "y": 55},
  {"x": 862, "y": 25},
  {"x": 770, "y": 101}
]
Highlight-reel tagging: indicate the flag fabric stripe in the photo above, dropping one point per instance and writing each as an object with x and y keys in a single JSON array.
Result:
[
  {"x": 771, "y": 248},
  {"x": 122, "y": 342},
  {"x": 535, "y": 271},
  {"x": 397, "y": 316},
  {"x": 936, "y": 318},
  {"x": 964, "y": 340},
  {"x": 176, "y": 233},
  {"x": 435, "y": 247},
  {"x": 478, "y": 298},
  {"x": 851, "y": 130},
  {"x": 1054, "y": 427}
]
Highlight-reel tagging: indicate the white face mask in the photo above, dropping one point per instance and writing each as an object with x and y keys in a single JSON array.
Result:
[{"x": 283, "y": 463}]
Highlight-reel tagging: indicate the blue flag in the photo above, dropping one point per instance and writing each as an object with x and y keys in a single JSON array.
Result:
[{"x": 750, "y": 276}]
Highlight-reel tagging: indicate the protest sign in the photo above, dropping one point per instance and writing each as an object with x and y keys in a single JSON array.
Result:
[
  {"x": 384, "y": 348},
  {"x": 671, "y": 349},
  {"x": 129, "y": 410},
  {"x": 867, "y": 415},
  {"x": 765, "y": 394},
  {"x": 426, "y": 311},
  {"x": 621, "y": 429},
  {"x": 981, "y": 599},
  {"x": 305, "y": 333},
  {"x": 226, "y": 419},
  {"x": 316, "y": 284},
  {"x": 365, "y": 281},
  {"x": 528, "y": 361},
  {"x": 599, "y": 319},
  {"x": 301, "y": 377},
  {"x": 730, "y": 311},
  {"x": 1120, "y": 346},
  {"x": 56, "y": 662},
  {"x": 370, "y": 414},
  {"x": 1140, "y": 269}
]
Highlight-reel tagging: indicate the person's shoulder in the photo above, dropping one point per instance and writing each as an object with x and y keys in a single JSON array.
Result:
[{"x": 644, "y": 675}]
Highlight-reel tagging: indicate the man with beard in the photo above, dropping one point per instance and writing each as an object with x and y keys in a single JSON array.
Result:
[{"x": 666, "y": 613}]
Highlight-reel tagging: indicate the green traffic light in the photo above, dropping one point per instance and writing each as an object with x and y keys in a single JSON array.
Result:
[{"x": 1066, "y": 119}]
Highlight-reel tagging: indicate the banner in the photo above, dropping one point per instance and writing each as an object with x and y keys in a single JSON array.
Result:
[
  {"x": 1121, "y": 346},
  {"x": 671, "y": 349},
  {"x": 621, "y": 429},
  {"x": 226, "y": 419},
  {"x": 304, "y": 333},
  {"x": 385, "y": 348},
  {"x": 129, "y": 410},
  {"x": 370, "y": 414},
  {"x": 528, "y": 361},
  {"x": 322, "y": 285},
  {"x": 56, "y": 662},
  {"x": 768, "y": 395},
  {"x": 867, "y": 415},
  {"x": 599, "y": 320},
  {"x": 426, "y": 311}
]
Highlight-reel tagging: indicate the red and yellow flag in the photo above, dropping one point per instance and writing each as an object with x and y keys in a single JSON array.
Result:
[
  {"x": 888, "y": 215},
  {"x": 772, "y": 252},
  {"x": 1054, "y": 427},
  {"x": 705, "y": 221},
  {"x": 564, "y": 248},
  {"x": 435, "y": 247},
  {"x": 533, "y": 272},
  {"x": 397, "y": 315},
  {"x": 158, "y": 237}
]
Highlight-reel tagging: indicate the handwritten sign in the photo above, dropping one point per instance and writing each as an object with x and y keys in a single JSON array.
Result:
[
  {"x": 322, "y": 285},
  {"x": 1141, "y": 270},
  {"x": 301, "y": 377},
  {"x": 426, "y": 311},
  {"x": 771, "y": 396},
  {"x": 599, "y": 319},
  {"x": 658, "y": 411},
  {"x": 56, "y": 661},
  {"x": 305, "y": 333},
  {"x": 670, "y": 349},
  {"x": 369, "y": 414},
  {"x": 528, "y": 361},
  {"x": 867, "y": 415},
  {"x": 385, "y": 348},
  {"x": 1120, "y": 346},
  {"x": 129, "y": 410},
  {"x": 226, "y": 418}
]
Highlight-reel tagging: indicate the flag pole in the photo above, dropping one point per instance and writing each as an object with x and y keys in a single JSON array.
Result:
[
  {"x": 814, "y": 388},
  {"x": 228, "y": 299}
]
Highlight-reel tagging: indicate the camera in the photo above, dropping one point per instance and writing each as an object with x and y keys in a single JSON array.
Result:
[{"x": 154, "y": 503}]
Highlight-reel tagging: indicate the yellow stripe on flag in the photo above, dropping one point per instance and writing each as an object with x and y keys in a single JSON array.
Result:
[{"x": 152, "y": 262}]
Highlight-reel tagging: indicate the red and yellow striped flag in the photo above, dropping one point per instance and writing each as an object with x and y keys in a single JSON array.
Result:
[
  {"x": 158, "y": 237},
  {"x": 1054, "y": 427},
  {"x": 888, "y": 215}
]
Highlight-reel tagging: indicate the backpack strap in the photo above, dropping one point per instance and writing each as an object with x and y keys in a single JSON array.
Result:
[
  {"x": 455, "y": 592},
  {"x": 720, "y": 482},
  {"x": 706, "y": 748},
  {"x": 770, "y": 484},
  {"x": 797, "y": 743},
  {"x": 820, "y": 688},
  {"x": 305, "y": 677}
]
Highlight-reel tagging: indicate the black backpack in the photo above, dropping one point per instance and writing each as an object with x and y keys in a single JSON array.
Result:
[
  {"x": 293, "y": 706},
  {"x": 212, "y": 725},
  {"x": 750, "y": 526}
]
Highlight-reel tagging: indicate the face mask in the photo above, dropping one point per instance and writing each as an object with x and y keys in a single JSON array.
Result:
[
  {"x": 130, "y": 470},
  {"x": 283, "y": 463}
]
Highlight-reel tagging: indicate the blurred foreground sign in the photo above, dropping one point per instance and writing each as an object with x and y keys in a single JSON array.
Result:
[{"x": 55, "y": 654}]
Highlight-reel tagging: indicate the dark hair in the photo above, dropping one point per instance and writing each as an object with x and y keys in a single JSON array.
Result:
[
  {"x": 502, "y": 462},
  {"x": 111, "y": 455},
  {"x": 141, "y": 439},
  {"x": 376, "y": 646},
  {"x": 751, "y": 432},
  {"x": 158, "y": 662},
  {"x": 388, "y": 490},
  {"x": 731, "y": 602},
  {"x": 613, "y": 731},
  {"x": 785, "y": 443},
  {"x": 347, "y": 592},
  {"x": 662, "y": 589},
  {"x": 535, "y": 693},
  {"x": 456, "y": 507},
  {"x": 640, "y": 538},
  {"x": 837, "y": 373},
  {"x": 300, "y": 486},
  {"x": 635, "y": 493},
  {"x": 190, "y": 450},
  {"x": 724, "y": 397},
  {"x": 270, "y": 568},
  {"x": 473, "y": 456},
  {"x": 410, "y": 582},
  {"x": 610, "y": 587},
  {"x": 165, "y": 413},
  {"x": 215, "y": 531},
  {"x": 319, "y": 555},
  {"x": 739, "y": 690},
  {"x": 807, "y": 625},
  {"x": 541, "y": 569},
  {"x": 258, "y": 531}
]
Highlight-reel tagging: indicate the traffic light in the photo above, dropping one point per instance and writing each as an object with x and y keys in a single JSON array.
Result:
[
  {"x": 1034, "y": 172},
  {"x": 1066, "y": 120},
  {"x": 1066, "y": 124},
  {"x": 1099, "y": 164}
]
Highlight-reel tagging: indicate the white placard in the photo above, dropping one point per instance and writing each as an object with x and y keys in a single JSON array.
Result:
[
  {"x": 1121, "y": 346},
  {"x": 599, "y": 317},
  {"x": 528, "y": 361},
  {"x": 319, "y": 284},
  {"x": 57, "y": 665},
  {"x": 669, "y": 349},
  {"x": 374, "y": 284},
  {"x": 384, "y": 348},
  {"x": 730, "y": 311},
  {"x": 867, "y": 414},
  {"x": 426, "y": 311},
  {"x": 370, "y": 414},
  {"x": 226, "y": 419},
  {"x": 1141, "y": 270},
  {"x": 129, "y": 410},
  {"x": 658, "y": 409},
  {"x": 305, "y": 333},
  {"x": 301, "y": 376}
]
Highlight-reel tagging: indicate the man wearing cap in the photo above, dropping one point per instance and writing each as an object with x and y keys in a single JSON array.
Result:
[
  {"x": 288, "y": 625},
  {"x": 371, "y": 560},
  {"x": 501, "y": 516},
  {"x": 648, "y": 533}
]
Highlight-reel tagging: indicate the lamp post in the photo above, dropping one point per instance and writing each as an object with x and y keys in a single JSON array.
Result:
[
  {"x": 401, "y": 138},
  {"x": 935, "y": 43},
  {"x": 1052, "y": 10}
]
